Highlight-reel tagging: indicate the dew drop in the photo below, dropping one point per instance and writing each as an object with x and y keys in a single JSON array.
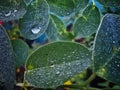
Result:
[
  {"x": 15, "y": 10},
  {"x": 8, "y": 14},
  {"x": 36, "y": 30},
  {"x": 52, "y": 66},
  {"x": 57, "y": 72}
]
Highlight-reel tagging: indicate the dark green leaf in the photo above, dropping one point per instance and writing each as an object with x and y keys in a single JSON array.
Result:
[
  {"x": 35, "y": 21},
  {"x": 53, "y": 64},
  {"x": 88, "y": 23},
  {"x": 11, "y": 9},
  {"x": 110, "y": 3},
  {"x": 7, "y": 69},
  {"x": 20, "y": 52},
  {"x": 107, "y": 48}
]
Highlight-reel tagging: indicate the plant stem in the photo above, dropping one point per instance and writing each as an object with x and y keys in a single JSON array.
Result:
[
  {"x": 83, "y": 86},
  {"x": 89, "y": 79}
]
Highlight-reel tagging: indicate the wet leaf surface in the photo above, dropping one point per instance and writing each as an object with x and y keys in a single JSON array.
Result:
[
  {"x": 107, "y": 48},
  {"x": 88, "y": 23},
  {"x": 53, "y": 64},
  {"x": 56, "y": 29},
  {"x": 66, "y": 8},
  {"x": 35, "y": 21},
  {"x": 7, "y": 72},
  {"x": 11, "y": 9}
]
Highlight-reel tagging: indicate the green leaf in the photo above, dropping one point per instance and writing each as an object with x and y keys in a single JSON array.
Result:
[
  {"x": 107, "y": 48},
  {"x": 53, "y": 64},
  {"x": 56, "y": 29},
  {"x": 88, "y": 23},
  {"x": 35, "y": 21},
  {"x": 7, "y": 70},
  {"x": 11, "y": 9},
  {"x": 110, "y": 3},
  {"x": 65, "y": 8},
  {"x": 20, "y": 49},
  {"x": 80, "y": 4}
]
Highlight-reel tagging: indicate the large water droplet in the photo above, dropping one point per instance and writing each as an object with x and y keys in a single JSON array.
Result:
[
  {"x": 8, "y": 14},
  {"x": 36, "y": 30}
]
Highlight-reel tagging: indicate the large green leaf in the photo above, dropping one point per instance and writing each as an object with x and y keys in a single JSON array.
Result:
[
  {"x": 20, "y": 52},
  {"x": 53, "y": 64},
  {"x": 11, "y": 9},
  {"x": 88, "y": 23},
  {"x": 35, "y": 21},
  {"x": 56, "y": 29},
  {"x": 107, "y": 48},
  {"x": 110, "y": 3},
  {"x": 7, "y": 69}
]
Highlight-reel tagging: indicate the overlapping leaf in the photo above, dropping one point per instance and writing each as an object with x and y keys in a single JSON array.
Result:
[
  {"x": 53, "y": 64},
  {"x": 35, "y": 21},
  {"x": 88, "y": 23},
  {"x": 107, "y": 48},
  {"x": 56, "y": 29},
  {"x": 7, "y": 72},
  {"x": 11, "y": 9},
  {"x": 65, "y": 8},
  {"x": 20, "y": 52}
]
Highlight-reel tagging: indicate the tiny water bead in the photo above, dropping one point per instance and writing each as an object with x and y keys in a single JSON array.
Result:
[
  {"x": 8, "y": 14},
  {"x": 36, "y": 30}
]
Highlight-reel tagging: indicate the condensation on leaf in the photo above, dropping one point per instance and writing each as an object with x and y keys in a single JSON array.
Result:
[
  {"x": 55, "y": 63},
  {"x": 35, "y": 21},
  {"x": 56, "y": 29},
  {"x": 87, "y": 24},
  {"x": 10, "y": 10},
  {"x": 107, "y": 48},
  {"x": 7, "y": 72}
]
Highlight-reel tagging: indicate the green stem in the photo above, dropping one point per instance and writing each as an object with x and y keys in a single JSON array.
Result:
[
  {"x": 89, "y": 79},
  {"x": 83, "y": 86}
]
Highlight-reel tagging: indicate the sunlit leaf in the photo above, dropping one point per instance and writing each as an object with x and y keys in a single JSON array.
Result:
[
  {"x": 35, "y": 21},
  {"x": 88, "y": 23},
  {"x": 107, "y": 48},
  {"x": 53, "y": 64},
  {"x": 11, "y": 9},
  {"x": 20, "y": 52},
  {"x": 7, "y": 72}
]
